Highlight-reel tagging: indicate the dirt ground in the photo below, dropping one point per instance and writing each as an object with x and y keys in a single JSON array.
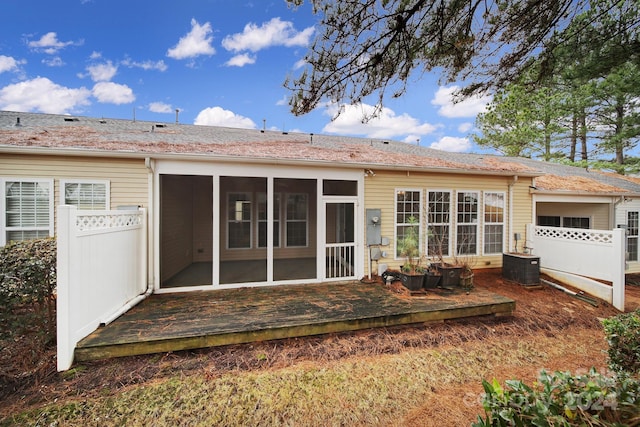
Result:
[{"x": 541, "y": 311}]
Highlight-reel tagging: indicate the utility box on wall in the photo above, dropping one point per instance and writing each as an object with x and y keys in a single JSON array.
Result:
[{"x": 374, "y": 235}]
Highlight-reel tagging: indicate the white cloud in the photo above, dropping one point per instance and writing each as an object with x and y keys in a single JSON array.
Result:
[
  {"x": 146, "y": 65},
  {"x": 272, "y": 33},
  {"x": 299, "y": 64},
  {"x": 113, "y": 93},
  {"x": 452, "y": 144},
  {"x": 42, "y": 95},
  {"x": 241, "y": 60},
  {"x": 55, "y": 61},
  {"x": 50, "y": 44},
  {"x": 216, "y": 116},
  {"x": 102, "y": 72},
  {"x": 469, "y": 107},
  {"x": 465, "y": 127},
  {"x": 8, "y": 63},
  {"x": 386, "y": 125},
  {"x": 197, "y": 42},
  {"x": 160, "y": 107}
]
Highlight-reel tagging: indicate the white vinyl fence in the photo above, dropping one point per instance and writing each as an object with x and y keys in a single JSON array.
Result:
[
  {"x": 102, "y": 266},
  {"x": 595, "y": 254}
]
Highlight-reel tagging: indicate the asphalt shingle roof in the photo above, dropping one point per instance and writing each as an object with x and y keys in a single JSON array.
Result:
[{"x": 143, "y": 138}]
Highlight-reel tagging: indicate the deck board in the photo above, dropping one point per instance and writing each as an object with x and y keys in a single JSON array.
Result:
[{"x": 180, "y": 321}]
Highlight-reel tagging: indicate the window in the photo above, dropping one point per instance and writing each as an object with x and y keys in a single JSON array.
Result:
[
  {"x": 85, "y": 194},
  {"x": 28, "y": 210},
  {"x": 493, "y": 222},
  {"x": 239, "y": 221},
  {"x": 407, "y": 213},
  {"x": 576, "y": 222},
  {"x": 438, "y": 223},
  {"x": 548, "y": 221},
  {"x": 467, "y": 228},
  {"x": 633, "y": 224},
  {"x": 262, "y": 220},
  {"x": 297, "y": 208}
]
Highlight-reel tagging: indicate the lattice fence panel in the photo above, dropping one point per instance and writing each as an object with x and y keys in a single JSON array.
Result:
[
  {"x": 575, "y": 234},
  {"x": 90, "y": 222}
]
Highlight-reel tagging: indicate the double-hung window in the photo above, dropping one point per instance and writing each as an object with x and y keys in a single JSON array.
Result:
[
  {"x": 262, "y": 220},
  {"x": 239, "y": 221},
  {"x": 297, "y": 216},
  {"x": 28, "y": 207},
  {"x": 92, "y": 195},
  {"x": 493, "y": 222},
  {"x": 438, "y": 223},
  {"x": 633, "y": 225},
  {"x": 467, "y": 224},
  {"x": 408, "y": 209}
]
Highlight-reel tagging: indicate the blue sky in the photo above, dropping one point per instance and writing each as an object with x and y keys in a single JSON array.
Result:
[{"x": 219, "y": 62}]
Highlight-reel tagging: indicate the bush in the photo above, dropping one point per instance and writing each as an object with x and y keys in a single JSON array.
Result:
[
  {"x": 623, "y": 335},
  {"x": 27, "y": 289},
  {"x": 562, "y": 399}
]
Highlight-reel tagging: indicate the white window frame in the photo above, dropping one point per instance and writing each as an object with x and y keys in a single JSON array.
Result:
[
  {"x": 475, "y": 223},
  {"x": 277, "y": 197},
  {"x": 486, "y": 223},
  {"x": 249, "y": 199},
  {"x": 632, "y": 234},
  {"x": 288, "y": 221},
  {"x": 4, "y": 228},
  {"x": 107, "y": 190},
  {"x": 397, "y": 224},
  {"x": 450, "y": 224}
]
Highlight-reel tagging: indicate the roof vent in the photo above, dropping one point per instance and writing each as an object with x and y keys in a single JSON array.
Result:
[{"x": 71, "y": 119}]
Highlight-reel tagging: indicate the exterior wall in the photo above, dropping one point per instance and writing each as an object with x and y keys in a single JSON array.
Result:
[
  {"x": 128, "y": 178},
  {"x": 380, "y": 193},
  {"x": 629, "y": 205},
  {"x": 598, "y": 212}
]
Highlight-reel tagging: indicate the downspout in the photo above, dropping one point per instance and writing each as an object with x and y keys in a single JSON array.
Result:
[
  {"x": 511, "y": 184},
  {"x": 148, "y": 163},
  {"x": 612, "y": 211}
]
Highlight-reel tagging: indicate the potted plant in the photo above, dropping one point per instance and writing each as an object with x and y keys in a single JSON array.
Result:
[
  {"x": 411, "y": 272},
  {"x": 432, "y": 277}
]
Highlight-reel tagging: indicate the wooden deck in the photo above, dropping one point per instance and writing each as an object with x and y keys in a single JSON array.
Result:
[{"x": 181, "y": 321}]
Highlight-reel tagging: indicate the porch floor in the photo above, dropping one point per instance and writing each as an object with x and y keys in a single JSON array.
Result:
[{"x": 181, "y": 321}]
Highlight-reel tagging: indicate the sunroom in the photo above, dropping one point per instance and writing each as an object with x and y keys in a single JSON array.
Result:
[{"x": 223, "y": 225}]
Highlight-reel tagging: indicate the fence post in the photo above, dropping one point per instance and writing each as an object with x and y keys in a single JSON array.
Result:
[
  {"x": 65, "y": 341},
  {"x": 618, "y": 268}
]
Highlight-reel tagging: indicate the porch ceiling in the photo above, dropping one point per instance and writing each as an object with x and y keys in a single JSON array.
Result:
[{"x": 172, "y": 322}]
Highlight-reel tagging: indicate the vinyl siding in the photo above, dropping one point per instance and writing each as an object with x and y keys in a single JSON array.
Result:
[
  {"x": 598, "y": 212},
  {"x": 633, "y": 266},
  {"x": 128, "y": 178},
  {"x": 380, "y": 193}
]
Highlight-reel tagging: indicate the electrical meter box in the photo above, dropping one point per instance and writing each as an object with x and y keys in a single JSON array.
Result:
[{"x": 374, "y": 235}]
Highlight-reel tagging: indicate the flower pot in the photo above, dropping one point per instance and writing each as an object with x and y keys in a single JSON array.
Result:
[
  {"x": 432, "y": 279},
  {"x": 450, "y": 275},
  {"x": 413, "y": 282}
]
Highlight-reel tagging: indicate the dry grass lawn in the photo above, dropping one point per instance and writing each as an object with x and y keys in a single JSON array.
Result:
[{"x": 418, "y": 375}]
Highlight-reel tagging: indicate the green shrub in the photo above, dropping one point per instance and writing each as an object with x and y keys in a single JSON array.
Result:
[
  {"x": 562, "y": 399},
  {"x": 27, "y": 288},
  {"x": 623, "y": 335}
]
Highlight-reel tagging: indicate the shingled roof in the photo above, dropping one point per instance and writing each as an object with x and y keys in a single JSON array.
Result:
[
  {"x": 82, "y": 135},
  {"x": 559, "y": 178}
]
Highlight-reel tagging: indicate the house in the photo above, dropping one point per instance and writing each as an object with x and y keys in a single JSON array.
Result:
[
  {"x": 235, "y": 207},
  {"x": 574, "y": 197}
]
